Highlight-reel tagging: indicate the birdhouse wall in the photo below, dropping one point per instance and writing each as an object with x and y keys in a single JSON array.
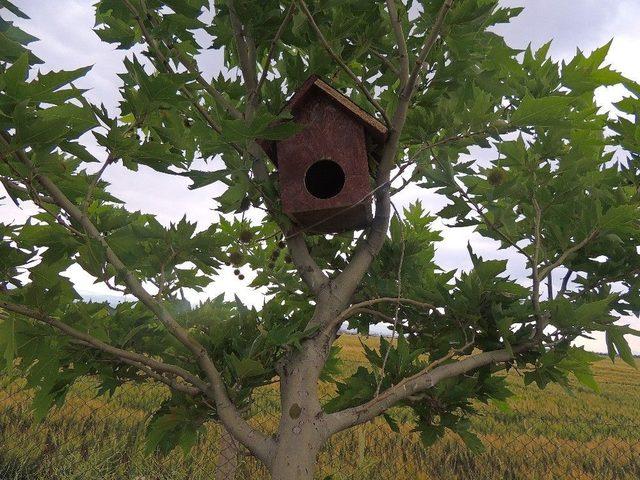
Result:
[{"x": 330, "y": 134}]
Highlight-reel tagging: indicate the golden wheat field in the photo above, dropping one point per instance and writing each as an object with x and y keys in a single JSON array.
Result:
[{"x": 547, "y": 434}]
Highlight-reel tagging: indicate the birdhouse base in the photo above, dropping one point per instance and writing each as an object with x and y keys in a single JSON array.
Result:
[{"x": 334, "y": 220}]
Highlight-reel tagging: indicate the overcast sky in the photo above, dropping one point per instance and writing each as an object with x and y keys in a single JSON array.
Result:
[{"x": 67, "y": 41}]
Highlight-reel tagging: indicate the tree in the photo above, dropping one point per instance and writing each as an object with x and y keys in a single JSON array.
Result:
[{"x": 561, "y": 195}]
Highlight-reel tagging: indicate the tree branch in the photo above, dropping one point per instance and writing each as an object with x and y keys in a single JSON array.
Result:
[
  {"x": 401, "y": 42},
  {"x": 369, "y": 245},
  {"x": 171, "y": 383},
  {"x": 396, "y": 315},
  {"x": 272, "y": 50},
  {"x": 400, "y": 115},
  {"x": 388, "y": 63},
  {"x": 94, "y": 182},
  {"x": 245, "y": 49},
  {"x": 420, "y": 382},
  {"x": 229, "y": 415},
  {"x": 578, "y": 246},
  {"x": 10, "y": 185},
  {"x": 356, "y": 307},
  {"x": 192, "y": 67},
  {"x": 426, "y": 48},
  {"x": 565, "y": 282},
  {"x": 478, "y": 208},
  {"x": 340, "y": 62},
  {"x": 537, "y": 245},
  {"x": 149, "y": 373},
  {"x": 372, "y": 312},
  {"x": 165, "y": 66},
  {"x": 122, "y": 355},
  {"x": 307, "y": 267}
]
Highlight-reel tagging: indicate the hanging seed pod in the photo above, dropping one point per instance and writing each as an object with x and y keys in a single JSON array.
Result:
[
  {"x": 241, "y": 277},
  {"x": 235, "y": 258},
  {"x": 236, "y": 272},
  {"x": 245, "y": 236},
  {"x": 497, "y": 176}
]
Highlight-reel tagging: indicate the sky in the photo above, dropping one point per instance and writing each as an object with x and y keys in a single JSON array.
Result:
[{"x": 67, "y": 41}]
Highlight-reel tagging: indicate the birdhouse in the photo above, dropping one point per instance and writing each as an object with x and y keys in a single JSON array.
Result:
[{"x": 323, "y": 170}]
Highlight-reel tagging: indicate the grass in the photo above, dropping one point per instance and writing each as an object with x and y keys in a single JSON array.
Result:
[{"x": 546, "y": 435}]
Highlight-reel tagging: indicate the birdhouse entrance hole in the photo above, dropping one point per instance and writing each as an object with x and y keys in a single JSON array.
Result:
[
  {"x": 324, "y": 170},
  {"x": 324, "y": 179}
]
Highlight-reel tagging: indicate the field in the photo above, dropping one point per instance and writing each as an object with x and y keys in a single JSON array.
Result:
[{"x": 546, "y": 435}]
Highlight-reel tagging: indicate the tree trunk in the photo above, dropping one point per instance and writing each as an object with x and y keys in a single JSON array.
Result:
[
  {"x": 302, "y": 432},
  {"x": 295, "y": 460},
  {"x": 228, "y": 453}
]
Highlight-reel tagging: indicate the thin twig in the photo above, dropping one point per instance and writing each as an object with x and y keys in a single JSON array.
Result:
[
  {"x": 565, "y": 282},
  {"x": 535, "y": 261},
  {"x": 426, "y": 48},
  {"x": 343, "y": 65},
  {"x": 356, "y": 307},
  {"x": 545, "y": 271},
  {"x": 94, "y": 183},
  {"x": 374, "y": 313},
  {"x": 245, "y": 48},
  {"x": 272, "y": 49},
  {"x": 170, "y": 382},
  {"x": 388, "y": 63},
  {"x": 401, "y": 42},
  {"x": 452, "y": 353},
  {"x": 11, "y": 185},
  {"x": 478, "y": 208},
  {"x": 166, "y": 67},
  {"x": 103, "y": 346},
  {"x": 396, "y": 315},
  {"x": 192, "y": 67}
]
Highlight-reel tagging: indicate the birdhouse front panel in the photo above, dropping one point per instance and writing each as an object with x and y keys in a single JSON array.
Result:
[{"x": 323, "y": 169}]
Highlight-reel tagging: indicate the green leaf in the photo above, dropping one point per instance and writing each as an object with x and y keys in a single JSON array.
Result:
[
  {"x": 13, "y": 9},
  {"x": 280, "y": 131},
  {"x": 616, "y": 342},
  {"x": 393, "y": 424},
  {"x": 431, "y": 434},
  {"x": 548, "y": 111},
  {"x": 174, "y": 425},
  {"x": 471, "y": 440},
  {"x": 246, "y": 367},
  {"x": 8, "y": 339}
]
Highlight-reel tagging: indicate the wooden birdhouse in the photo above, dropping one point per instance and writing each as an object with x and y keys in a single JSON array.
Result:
[{"x": 323, "y": 170}]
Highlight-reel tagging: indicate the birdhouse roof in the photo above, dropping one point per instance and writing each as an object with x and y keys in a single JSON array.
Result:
[
  {"x": 375, "y": 129},
  {"x": 315, "y": 84}
]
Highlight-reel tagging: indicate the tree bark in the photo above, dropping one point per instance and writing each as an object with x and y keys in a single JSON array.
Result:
[
  {"x": 295, "y": 460},
  {"x": 302, "y": 431}
]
